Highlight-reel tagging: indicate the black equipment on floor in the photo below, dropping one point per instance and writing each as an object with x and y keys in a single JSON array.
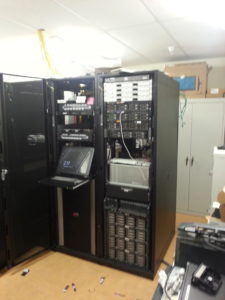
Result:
[
  {"x": 189, "y": 291},
  {"x": 201, "y": 243}
]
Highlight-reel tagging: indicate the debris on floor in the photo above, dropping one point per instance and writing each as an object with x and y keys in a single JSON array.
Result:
[
  {"x": 102, "y": 280},
  {"x": 25, "y": 272},
  {"x": 66, "y": 288},
  {"x": 91, "y": 290},
  {"x": 119, "y": 294},
  {"x": 74, "y": 287}
]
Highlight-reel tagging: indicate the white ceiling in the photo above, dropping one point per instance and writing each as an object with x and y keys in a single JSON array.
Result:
[{"x": 143, "y": 29}]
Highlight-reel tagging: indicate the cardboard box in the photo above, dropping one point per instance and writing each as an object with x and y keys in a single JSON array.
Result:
[
  {"x": 215, "y": 93},
  {"x": 221, "y": 200},
  {"x": 217, "y": 210},
  {"x": 197, "y": 70},
  {"x": 103, "y": 70}
]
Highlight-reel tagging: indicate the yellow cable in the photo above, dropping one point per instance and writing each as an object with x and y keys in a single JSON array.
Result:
[{"x": 44, "y": 49}]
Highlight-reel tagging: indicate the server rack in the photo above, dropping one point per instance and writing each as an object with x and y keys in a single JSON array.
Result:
[
  {"x": 71, "y": 122},
  {"x": 110, "y": 220},
  {"x": 137, "y": 146}
]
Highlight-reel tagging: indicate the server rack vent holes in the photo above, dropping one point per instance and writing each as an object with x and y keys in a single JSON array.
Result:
[{"x": 126, "y": 234}]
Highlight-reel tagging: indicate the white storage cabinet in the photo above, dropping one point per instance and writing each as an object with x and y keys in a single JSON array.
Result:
[{"x": 201, "y": 129}]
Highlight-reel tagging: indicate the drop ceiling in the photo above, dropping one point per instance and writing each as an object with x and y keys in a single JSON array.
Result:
[{"x": 143, "y": 29}]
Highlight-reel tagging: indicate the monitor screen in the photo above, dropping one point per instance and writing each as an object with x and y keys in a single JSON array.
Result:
[{"x": 75, "y": 161}]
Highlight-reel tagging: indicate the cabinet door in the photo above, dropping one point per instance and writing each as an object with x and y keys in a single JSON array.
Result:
[
  {"x": 25, "y": 158},
  {"x": 183, "y": 159},
  {"x": 207, "y": 132},
  {"x": 3, "y": 248}
]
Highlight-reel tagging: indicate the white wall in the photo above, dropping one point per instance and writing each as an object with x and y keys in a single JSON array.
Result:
[{"x": 216, "y": 75}]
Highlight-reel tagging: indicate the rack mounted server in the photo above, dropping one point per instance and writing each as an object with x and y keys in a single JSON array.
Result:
[{"x": 137, "y": 146}]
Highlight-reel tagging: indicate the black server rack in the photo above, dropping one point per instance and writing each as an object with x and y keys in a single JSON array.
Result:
[
  {"x": 123, "y": 214},
  {"x": 71, "y": 123},
  {"x": 137, "y": 147}
]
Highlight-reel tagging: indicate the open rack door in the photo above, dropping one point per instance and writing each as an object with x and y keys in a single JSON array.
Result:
[
  {"x": 23, "y": 158},
  {"x": 3, "y": 248}
]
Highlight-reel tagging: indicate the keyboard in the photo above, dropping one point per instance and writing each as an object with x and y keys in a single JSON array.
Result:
[{"x": 66, "y": 179}]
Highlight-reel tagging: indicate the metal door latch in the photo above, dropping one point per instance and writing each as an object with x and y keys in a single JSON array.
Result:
[{"x": 4, "y": 172}]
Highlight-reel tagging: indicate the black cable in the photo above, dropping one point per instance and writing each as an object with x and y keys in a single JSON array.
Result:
[
  {"x": 166, "y": 263},
  {"x": 122, "y": 137},
  {"x": 165, "y": 287},
  {"x": 168, "y": 275}
]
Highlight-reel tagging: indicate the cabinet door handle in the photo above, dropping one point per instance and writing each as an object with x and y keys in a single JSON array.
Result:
[
  {"x": 126, "y": 190},
  {"x": 192, "y": 161},
  {"x": 186, "y": 161}
]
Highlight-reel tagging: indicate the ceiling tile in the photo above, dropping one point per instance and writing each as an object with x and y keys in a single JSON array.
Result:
[
  {"x": 111, "y": 13},
  {"x": 130, "y": 58},
  {"x": 164, "y": 10},
  {"x": 44, "y": 14},
  {"x": 11, "y": 29},
  {"x": 196, "y": 38},
  {"x": 143, "y": 28},
  {"x": 152, "y": 41}
]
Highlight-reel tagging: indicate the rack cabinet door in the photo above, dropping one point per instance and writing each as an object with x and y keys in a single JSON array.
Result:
[
  {"x": 3, "y": 249},
  {"x": 183, "y": 159},
  {"x": 207, "y": 132},
  {"x": 25, "y": 161}
]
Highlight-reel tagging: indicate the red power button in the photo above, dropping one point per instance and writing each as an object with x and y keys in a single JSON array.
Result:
[{"x": 75, "y": 214}]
